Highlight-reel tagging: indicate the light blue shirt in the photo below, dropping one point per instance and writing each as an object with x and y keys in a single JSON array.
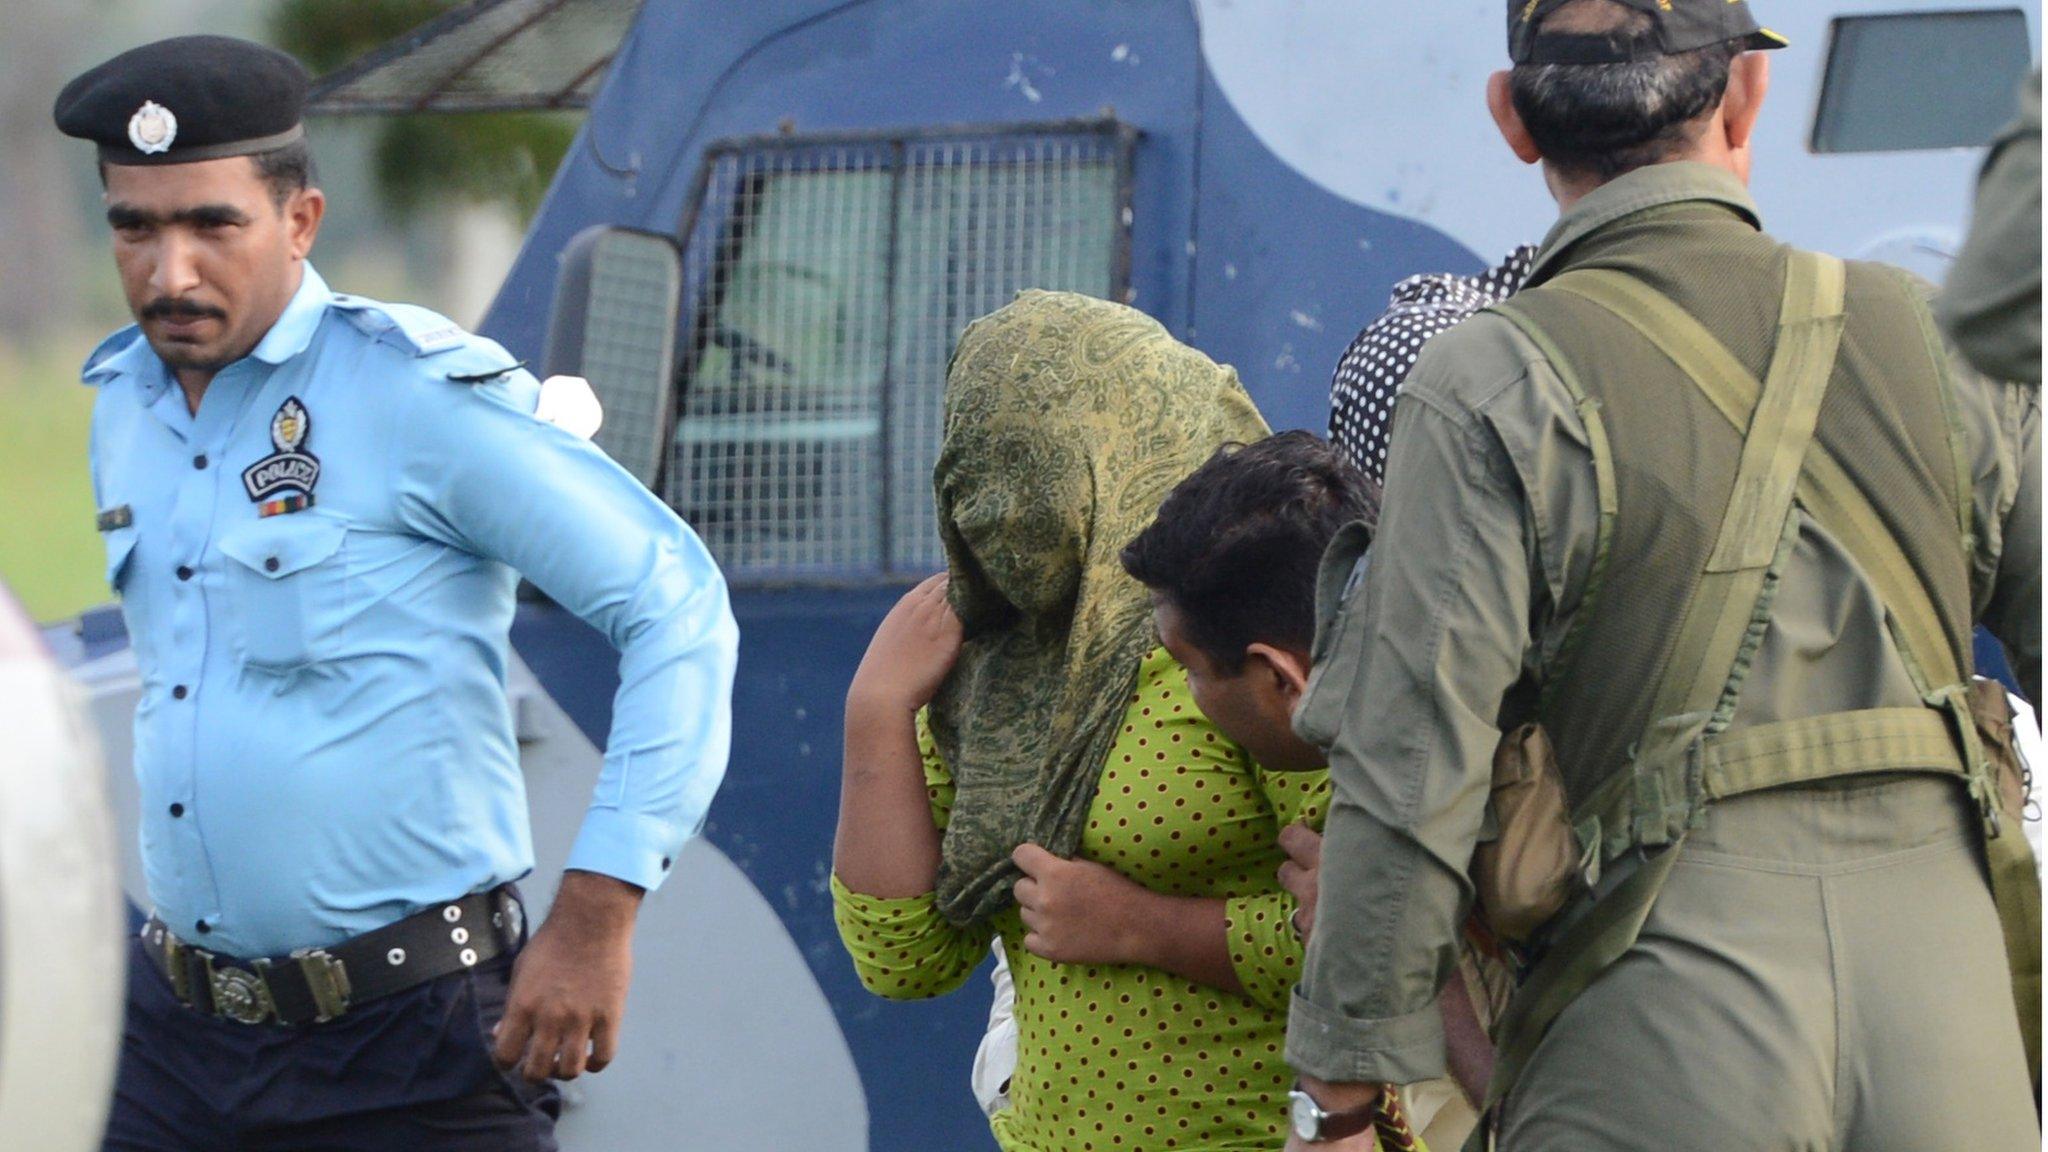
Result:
[{"x": 317, "y": 572}]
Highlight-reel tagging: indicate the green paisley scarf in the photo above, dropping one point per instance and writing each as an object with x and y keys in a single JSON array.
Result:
[{"x": 1067, "y": 421}]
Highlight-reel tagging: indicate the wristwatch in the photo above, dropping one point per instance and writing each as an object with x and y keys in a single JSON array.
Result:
[{"x": 1315, "y": 1126}]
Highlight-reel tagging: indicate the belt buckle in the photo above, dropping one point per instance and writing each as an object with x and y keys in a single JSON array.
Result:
[
  {"x": 509, "y": 918},
  {"x": 239, "y": 994},
  {"x": 177, "y": 960},
  {"x": 327, "y": 978}
]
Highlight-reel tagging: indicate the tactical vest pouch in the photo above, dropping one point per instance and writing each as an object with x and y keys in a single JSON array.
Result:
[
  {"x": 1992, "y": 711},
  {"x": 1525, "y": 874}
]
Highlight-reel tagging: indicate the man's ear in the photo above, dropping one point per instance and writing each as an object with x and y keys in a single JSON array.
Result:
[
  {"x": 1289, "y": 670},
  {"x": 302, "y": 216},
  {"x": 1500, "y": 101},
  {"x": 1749, "y": 79}
]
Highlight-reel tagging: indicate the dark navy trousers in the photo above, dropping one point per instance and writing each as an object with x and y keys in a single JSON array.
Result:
[{"x": 408, "y": 1073}]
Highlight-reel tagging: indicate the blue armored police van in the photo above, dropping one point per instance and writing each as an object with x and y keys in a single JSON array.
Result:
[{"x": 775, "y": 222}]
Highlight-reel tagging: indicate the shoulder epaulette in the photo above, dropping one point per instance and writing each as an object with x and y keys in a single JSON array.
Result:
[{"x": 409, "y": 328}]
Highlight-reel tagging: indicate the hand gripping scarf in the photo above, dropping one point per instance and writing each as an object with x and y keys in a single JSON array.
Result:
[{"x": 1067, "y": 421}]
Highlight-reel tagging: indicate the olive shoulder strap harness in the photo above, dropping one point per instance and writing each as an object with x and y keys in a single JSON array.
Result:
[{"x": 1686, "y": 758}]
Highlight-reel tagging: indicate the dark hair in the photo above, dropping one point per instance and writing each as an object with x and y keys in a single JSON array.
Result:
[
  {"x": 1236, "y": 545},
  {"x": 285, "y": 170},
  {"x": 1602, "y": 120}
]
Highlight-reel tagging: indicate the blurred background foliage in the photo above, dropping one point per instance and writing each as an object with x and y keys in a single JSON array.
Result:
[{"x": 488, "y": 158}]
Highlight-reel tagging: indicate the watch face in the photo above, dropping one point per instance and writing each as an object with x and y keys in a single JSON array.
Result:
[{"x": 1308, "y": 1119}]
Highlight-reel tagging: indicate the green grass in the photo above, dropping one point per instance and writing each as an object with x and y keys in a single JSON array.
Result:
[{"x": 50, "y": 553}]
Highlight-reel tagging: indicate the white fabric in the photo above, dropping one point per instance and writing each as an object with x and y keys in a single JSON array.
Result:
[
  {"x": 568, "y": 403},
  {"x": 996, "y": 1060},
  {"x": 2026, "y": 736}
]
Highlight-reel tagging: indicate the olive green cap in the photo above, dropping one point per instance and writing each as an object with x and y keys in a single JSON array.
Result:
[{"x": 1681, "y": 26}]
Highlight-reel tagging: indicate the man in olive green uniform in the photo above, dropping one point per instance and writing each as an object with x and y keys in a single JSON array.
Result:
[
  {"x": 1991, "y": 304},
  {"x": 1787, "y": 939}
]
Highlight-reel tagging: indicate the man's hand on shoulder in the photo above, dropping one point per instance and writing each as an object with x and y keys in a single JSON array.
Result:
[{"x": 568, "y": 995}]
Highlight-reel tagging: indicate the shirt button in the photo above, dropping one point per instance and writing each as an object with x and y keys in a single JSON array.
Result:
[
  {"x": 177, "y": 810},
  {"x": 270, "y": 565},
  {"x": 199, "y": 461},
  {"x": 665, "y": 863},
  {"x": 180, "y": 692},
  {"x": 184, "y": 572},
  {"x": 203, "y": 927}
]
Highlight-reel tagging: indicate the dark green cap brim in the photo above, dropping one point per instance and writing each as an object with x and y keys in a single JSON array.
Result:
[{"x": 1680, "y": 26}]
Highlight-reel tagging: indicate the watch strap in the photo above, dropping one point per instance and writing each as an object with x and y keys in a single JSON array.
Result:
[{"x": 1342, "y": 1125}]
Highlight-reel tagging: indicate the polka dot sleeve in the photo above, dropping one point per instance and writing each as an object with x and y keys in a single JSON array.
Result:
[
  {"x": 903, "y": 949},
  {"x": 1264, "y": 950}
]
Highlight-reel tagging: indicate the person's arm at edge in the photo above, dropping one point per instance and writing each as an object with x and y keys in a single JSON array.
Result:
[
  {"x": 2014, "y": 611},
  {"x": 1411, "y": 737},
  {"x": 1993, "y": 290}
]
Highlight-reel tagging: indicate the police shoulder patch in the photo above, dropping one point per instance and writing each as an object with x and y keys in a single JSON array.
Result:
[{"x": 414, "y": 330}]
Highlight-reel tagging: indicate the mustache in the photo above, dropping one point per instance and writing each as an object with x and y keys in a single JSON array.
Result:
[{"x": 169, "y": 308}]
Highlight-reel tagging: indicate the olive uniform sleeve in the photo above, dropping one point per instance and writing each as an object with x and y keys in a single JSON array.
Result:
[
  {"x": 904, "y": 949},
  {"x": 1407, "y": 698},
  {"x": 1992, "y": 302},
  {"x": 2012, "y": 610}
]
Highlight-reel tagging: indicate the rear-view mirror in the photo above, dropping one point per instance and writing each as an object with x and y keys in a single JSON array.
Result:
[{"x": 614, "y": 323}]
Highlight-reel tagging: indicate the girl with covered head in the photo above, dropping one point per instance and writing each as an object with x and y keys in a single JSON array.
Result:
[{"x": 1025, "y": 763}]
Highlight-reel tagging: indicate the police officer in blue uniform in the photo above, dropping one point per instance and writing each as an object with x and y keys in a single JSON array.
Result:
[{"x": 316, "y": 508}]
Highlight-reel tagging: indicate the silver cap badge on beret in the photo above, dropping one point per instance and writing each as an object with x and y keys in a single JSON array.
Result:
[{"x": 152, "y": 128}]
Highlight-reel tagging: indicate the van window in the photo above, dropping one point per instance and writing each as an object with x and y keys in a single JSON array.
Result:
[
  {"x": 826, "y": 282},
  {"x": 1915, "y": 80}
]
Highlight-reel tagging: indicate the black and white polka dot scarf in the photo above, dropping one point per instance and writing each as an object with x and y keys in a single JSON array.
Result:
[{"x": 1378, "y": 361}]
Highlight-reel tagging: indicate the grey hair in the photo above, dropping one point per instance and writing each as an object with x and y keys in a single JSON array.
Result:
[{"x": 1602, "y": 120}]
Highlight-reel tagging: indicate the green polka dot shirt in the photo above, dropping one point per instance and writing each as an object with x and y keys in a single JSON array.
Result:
[{"x": 1113, "y": 1057}]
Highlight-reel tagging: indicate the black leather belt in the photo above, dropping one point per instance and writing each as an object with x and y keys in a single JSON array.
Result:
[{"x": 314, "y": 985}]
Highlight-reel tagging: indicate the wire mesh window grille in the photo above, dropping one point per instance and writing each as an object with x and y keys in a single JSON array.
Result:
[
  {"x": 486, "y": 56},
  {"x": 826, "y": 283}
]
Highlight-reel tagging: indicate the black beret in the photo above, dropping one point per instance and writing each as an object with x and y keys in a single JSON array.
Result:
[{"x": 187, "y": 99}]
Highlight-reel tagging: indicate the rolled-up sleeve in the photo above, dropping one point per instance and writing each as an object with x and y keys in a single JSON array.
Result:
[
  {"x": 1406, "y": 696},
  {"x": 478, "y": 472}
]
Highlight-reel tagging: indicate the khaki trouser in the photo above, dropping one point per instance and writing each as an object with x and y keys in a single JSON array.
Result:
[{"x": 1823, "y": 970}]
